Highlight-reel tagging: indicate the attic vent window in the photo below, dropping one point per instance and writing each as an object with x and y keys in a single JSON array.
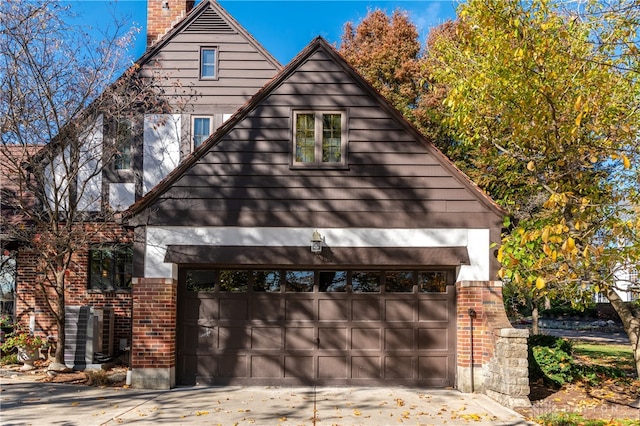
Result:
[
  {"x": 208, "y": 63},
  {"x": 319, "y": 138}
]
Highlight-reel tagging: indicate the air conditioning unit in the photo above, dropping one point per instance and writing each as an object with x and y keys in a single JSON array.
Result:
[{"x": 89, "y": 335}]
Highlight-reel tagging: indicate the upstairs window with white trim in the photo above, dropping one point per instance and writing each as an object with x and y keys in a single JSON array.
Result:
[
  {"x": 208, "y": 63},
  {"x": 319, "y": 138},
  {"x": 201, "y": 130}
]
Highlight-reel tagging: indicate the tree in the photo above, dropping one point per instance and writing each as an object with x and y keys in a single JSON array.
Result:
[
  {"x": 386, "y": 51},
  {"x": 57, "y": 90},
  {"x": 554, "y": 94}
]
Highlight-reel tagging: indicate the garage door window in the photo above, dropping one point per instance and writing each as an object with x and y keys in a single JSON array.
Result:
[
  {"x": 399, "y": 281},
  {"x": 332, "y": 281},
  {"x": 299, "y": 281},
  {"x": 267, "y": 281},
  {"x": 365, "y": 282},
  {"x": 432, "y": 282},
  {"x": 200, "y": 280},
  {"x": 234, "y": 281}
]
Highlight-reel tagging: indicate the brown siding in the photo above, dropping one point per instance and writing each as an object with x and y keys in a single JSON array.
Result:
[{"x": 392, "y": 180}]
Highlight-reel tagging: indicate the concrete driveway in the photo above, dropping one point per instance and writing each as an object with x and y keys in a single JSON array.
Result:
[{"x": 35, "y": 403}]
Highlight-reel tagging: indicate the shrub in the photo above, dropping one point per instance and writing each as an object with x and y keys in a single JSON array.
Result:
[
  {"x": 550, "y": 359},
  {"x": 9, "y": 359}
]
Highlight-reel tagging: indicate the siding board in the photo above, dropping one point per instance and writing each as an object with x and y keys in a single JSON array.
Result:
[{"x": 246, "y": 177}]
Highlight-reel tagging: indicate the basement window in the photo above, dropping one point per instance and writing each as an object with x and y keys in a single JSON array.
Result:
[{"x": 110, "y": 267}]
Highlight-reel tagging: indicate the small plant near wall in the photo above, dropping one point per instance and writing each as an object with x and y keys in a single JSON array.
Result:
[{"x": 21, "y": 337}]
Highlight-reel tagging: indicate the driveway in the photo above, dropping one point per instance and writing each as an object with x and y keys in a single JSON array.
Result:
[{"x": 34, "y": 403}]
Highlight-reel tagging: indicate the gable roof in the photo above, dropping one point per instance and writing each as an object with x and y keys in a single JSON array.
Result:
[
  {"x": 318, "y": 44},
  {"x": 212, "y": 19}
]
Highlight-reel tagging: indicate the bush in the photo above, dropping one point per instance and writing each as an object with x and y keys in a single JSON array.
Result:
[
  {"x": 550, "y": 359},
  {"x": 9, "y": 359}
]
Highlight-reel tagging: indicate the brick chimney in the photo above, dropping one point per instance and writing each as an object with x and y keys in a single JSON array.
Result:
[{"x": 162, "y": 15}]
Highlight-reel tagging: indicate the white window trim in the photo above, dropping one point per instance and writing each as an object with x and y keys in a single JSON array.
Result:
[
  {"x": 318, "y": 163},
  {"x": 193, "y": 128},
  {"x": 215, "y": 65}
]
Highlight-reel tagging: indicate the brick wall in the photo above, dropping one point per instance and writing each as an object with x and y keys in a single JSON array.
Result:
[
  {"x": 489, "y": 348},
  {"x": 31, "y": 287},
  {"x": 154, "y": 323},
  {"x": 162, "y": 15}
]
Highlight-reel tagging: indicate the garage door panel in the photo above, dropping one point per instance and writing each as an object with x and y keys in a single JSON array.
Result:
[
  {"x": 366, "y": 367},
  {"x": 267, "y": 309},
  {"x": 233, "y": 338},
  {"x": 332, "y": 367},
  {"x": 298, "y": 366},
  {"x": 399, "y": 310},
  {"x": 202, "y": 338},
  {"x": 300, "y": 338},
  {"x": 434, "y": 368},
  {"x": 266, "y": 366},
  {"x": 333, "y": 310},
  {"x": 266, "y": 338},
  {"x": 299, "y": 310},
  {"x": 398, "y": 367},
  {"x": 332, "y": 338},
  {"x": 365, "y": 338},
  {"x": 366, "y": 309},
  {"x": 433, "y": 339},
  {"x": 233, "y": 309},
  {"x": 399, "y": 339},
  {"x": 229, "y": 365},
  {"x": 433, "y": 309}
]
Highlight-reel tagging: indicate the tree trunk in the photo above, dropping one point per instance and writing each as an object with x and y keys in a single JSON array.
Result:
[
  {"x": 534, "y": 319},
  {"x": 60, "y": 319},
  {"x": 630, "y": 322}
]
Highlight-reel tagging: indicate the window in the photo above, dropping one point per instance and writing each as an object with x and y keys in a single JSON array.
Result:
[
  {"x": 110, "y": 267},
  {"x": 208, "y": 62},
  {"x": 319, "y": 138},
  {"x": 123, "y": 139},
  {"x": 201, "y": 130}
]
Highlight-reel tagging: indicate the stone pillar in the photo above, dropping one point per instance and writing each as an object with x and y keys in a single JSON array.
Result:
[
  {"x": 485, "y": 337},
  {"x": 153, "y": 351},
  {"x": 507, "y": 375}
]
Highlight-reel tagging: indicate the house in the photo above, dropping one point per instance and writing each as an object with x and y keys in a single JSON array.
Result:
[
  {"x": 316, "y": 237},
  {"x": 200, "y": 49}
]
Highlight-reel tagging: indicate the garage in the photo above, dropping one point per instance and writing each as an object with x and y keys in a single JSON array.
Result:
[
  {"x": 316, "y": 327},
  {"x": 258, "y": 265}
]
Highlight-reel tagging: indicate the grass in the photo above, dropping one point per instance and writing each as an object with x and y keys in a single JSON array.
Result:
[
  {"x": 573, "y": 419},
  {"x": 618, "y": 356}
]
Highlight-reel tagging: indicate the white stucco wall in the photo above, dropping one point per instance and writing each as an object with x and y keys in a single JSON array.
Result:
[
  {"x": 161, "y": 148},
  {"x": 477, "y": 242}
]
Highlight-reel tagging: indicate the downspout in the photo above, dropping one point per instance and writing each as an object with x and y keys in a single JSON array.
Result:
[{"x": 472, "y": 314}]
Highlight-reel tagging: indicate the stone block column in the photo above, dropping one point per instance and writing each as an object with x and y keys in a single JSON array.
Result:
[
  {"x": 488, "y": 346},
  {"x": 153, "y": 351}
]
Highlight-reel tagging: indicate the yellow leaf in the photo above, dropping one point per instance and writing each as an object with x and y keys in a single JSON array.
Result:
[
  {"x": 356, "y": 412},
  {"x": 578, "y": 103},
  {"x": 540, "y": 284},
  {"x": 531, "y": 166},
  {"x": 501, "y": 273},
  {"x": 569, "y": 245},
  {"x": 626, "y": 162},
  {"x": 578, "y": 120},
  {"x": 545, "y": 235}
]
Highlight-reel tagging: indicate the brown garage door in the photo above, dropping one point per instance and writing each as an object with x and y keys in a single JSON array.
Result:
[{"x": 293, "y": 327}]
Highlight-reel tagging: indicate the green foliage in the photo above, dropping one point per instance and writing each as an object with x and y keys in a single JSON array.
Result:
[
  {"x": 575, "y": 419},
  {"x": 21, "y": 337},
  {"x": 550, "y": 359},
  {"x": 9, "y": 359}
]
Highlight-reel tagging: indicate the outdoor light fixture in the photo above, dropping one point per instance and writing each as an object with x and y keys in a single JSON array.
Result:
[
  {"x": 165, "y": 5},
  {"x": 316, "y": 242}
]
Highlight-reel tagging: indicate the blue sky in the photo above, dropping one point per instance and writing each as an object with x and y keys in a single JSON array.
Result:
[{"x": 283, "y": 27}]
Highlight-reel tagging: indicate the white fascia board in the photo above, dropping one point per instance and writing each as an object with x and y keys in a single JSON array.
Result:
[{"x": 477, "y": 242}]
